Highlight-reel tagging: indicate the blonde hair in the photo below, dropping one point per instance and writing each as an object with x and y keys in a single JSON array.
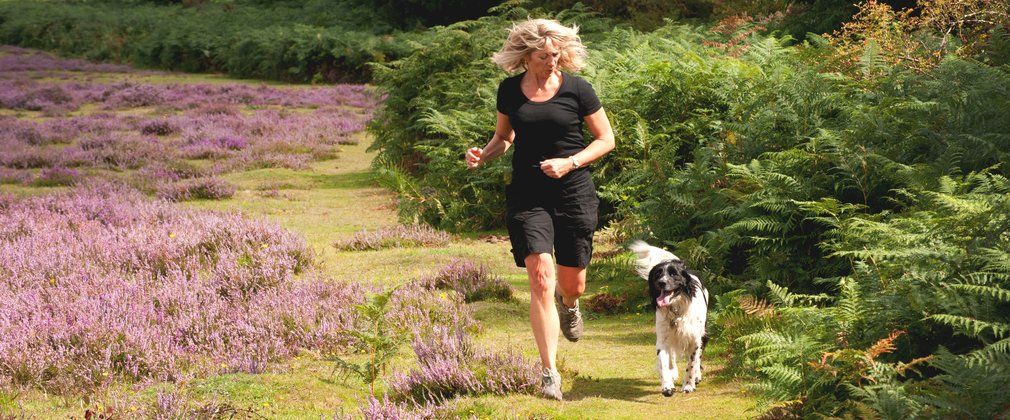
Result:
[{"x": 530, "y": 36}]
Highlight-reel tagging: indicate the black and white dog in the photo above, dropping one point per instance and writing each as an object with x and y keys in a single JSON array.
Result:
[{"x": 681, "y": 304}]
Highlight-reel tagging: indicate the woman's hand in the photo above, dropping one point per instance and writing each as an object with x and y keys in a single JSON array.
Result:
[
  {"x": 473, "y": 157},
  {"x": 558, "y": 167}
]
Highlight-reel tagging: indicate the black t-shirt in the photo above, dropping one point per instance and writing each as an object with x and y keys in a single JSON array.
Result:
[{"x": 545, "y": 130}]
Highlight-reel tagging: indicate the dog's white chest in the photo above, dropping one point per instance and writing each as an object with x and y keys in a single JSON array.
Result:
[{"x": 680, "y": 323}]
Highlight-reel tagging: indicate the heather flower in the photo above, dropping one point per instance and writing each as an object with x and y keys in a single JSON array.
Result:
[
  {"x": 158, "y": 176},
  {"x": 57, "y": 176},
  {"x": 197, "y": 189},
  {"x": 232, "y": 142},
  {"x": 217, "y": 109},
  {"x": 398, "y": 236},
  {"x": 206, "y": 122},
  {"x": 101, "y": 285},
  {"x": 21, "y": 131},
  {"x": 28, "y": 157},
  {"x": 123, "y": 151},
  {"x": 451, "y": 364},
  {"x": 168, "y": 405},
  {"x": 34, "y": 96},
  {"x": 471, "y": 280},
  {"x": 131, "y": 95},
  {"x": 203, "y": 149},
  {"x": 374, "y": 408},
  {"x": 416, "y": 309},
  {"x": 14, "y": 176},
  {"x": 15, "y": 59},
  {"x": 159, "y": 127}
]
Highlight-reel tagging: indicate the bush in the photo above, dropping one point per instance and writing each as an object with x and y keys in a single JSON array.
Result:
[
  {"x": 451, "y": 364},
  {"x": 197, "y": 189},
  {"x": 138, "y": 290},
  {"x": 288, "y": 41},
  {"x": 398, "y": 236},
  {"x": 471, "y": 280},
  {"x": 54, "y": 177}
]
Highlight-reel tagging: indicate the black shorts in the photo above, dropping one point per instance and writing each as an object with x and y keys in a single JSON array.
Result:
[{"x": 556, "y": 220}]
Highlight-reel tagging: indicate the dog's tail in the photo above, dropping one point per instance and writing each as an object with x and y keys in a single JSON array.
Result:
[{"x": 649, "y": 256}]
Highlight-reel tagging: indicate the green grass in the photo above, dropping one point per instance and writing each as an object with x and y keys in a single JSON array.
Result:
[{"x": 610, "y": 373}]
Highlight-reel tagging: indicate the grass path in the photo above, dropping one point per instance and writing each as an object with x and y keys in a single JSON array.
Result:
[{"x": 610, "y": 373}]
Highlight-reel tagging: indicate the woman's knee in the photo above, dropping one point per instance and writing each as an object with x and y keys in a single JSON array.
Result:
[
  {"x": 572, "y": 280},
  {"x": 540, "y": 268}
]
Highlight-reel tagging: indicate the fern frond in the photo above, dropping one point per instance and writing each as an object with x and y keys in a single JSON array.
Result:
[
  {"x": 783, "y": 375},
  {"x": 971, "y": 326},
  {"x": 884, "y": 345},
  {"x": 995, "y": 292},
  {"x": 850, "y": 307},
  {"x": 754, "y": 306},
  {"x": 781, "y": 294},
  {"x": 997, "y": 260},
  {"x": 989, "y": 355},
  {"x": 763, "y": 224},
  {"x": 784, "y": 297}
]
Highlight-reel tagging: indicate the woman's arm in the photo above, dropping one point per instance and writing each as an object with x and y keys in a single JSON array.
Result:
[
  {"x": 499, "y": 143},
  {"x": 603, "y": 135}
]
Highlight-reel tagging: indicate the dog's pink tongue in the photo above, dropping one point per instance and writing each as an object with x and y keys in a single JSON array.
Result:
[{"x": 664, "y": 299}]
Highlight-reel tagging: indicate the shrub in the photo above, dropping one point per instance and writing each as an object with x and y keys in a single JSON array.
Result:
[
  {"x": 314, "y": 41},
  {"x": 197, "y": 189},
  {"x": 619, "y": 290},
  {"x": 56, "y": 176},
  {"x": 394, "y": 237},
  {"x": 451, "y": 364},
  {"x": 376, "y": 339},
  {"x": 471, "y": 280},
  {"x": 138, "y": 290},
  {"x": 14, "y": 176},
  {"x": 605, "y": 303},
  {"x": 162, "y": 127},
  {"x": 417, "y": 309},
  {"x": 374, "y": 408}
]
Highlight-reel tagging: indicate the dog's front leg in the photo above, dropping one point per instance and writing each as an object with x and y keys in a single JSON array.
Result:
[
  {"x": 666, "y": 361},
  {"x": 693, "y": 374}
]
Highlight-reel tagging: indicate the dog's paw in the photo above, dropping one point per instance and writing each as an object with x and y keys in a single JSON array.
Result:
[
  {"x": 687, "y": 388},
  {"x": 668, "y": 392}
]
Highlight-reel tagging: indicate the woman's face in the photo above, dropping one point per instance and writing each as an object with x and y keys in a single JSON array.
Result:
[{"x": 544, "y": 61}]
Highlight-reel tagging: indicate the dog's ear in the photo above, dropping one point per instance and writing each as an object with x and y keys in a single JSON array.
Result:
[{"x": 648, "y": 257}]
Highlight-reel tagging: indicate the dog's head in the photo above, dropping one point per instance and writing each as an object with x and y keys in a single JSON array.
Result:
[
  {"x": 667, "y": 275},
  {"x": 668, "y": 280}
]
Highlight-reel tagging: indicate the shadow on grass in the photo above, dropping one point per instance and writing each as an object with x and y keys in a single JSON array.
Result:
[{"x": 625, "y": 389}]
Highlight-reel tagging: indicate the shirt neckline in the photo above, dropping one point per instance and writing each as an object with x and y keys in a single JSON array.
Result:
[{"x": 564, "y": 79}]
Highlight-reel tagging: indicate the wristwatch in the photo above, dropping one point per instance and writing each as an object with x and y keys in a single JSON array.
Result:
[{"x": 575, "y": 162}]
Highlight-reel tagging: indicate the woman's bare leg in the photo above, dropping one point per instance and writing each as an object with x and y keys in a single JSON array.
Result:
[
  {"x": 571, "y": 283},
  {"x": 543, "y": 313}
]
